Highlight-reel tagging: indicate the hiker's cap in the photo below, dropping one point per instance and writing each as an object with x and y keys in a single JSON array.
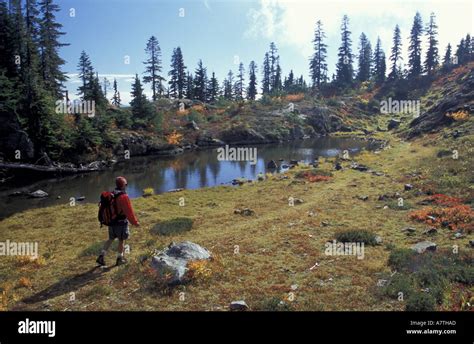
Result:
[{"x": 121, "y": 182}]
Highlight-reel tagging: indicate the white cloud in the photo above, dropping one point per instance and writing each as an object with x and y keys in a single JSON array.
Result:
[{"x": 291, "y": 23}]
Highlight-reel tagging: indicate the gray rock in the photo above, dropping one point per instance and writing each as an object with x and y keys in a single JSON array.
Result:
[
  {"x": 430, "y": 231},
  {"x": 378, "y": 240},
  {"x": 39, "y": 194},
  {"x": 409, "y": 230},
  {"x": 272, "y": 164},
  {"x": 424, "y": 246},
  {"x": 192, "y": 125},
  {"x": 238, "y": 306},
  {"x": 393, "y": 123},
  {"x": 359, "y": 167},
  {"x": 175, "y": 190},
  {"x": 244, "y": 212},
  {"x": 175, "y": 258}
]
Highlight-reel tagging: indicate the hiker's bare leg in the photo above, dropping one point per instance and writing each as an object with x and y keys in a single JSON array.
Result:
[
  {"x": 107, "y": 245},
  {"x": 121, "y": 246}
]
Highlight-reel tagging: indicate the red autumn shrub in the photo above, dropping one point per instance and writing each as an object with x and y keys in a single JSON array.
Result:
[
  {"x": 314, "y": 178},
  {"x": 456, "y": 217},
  {"x": 444, "y": 200}
]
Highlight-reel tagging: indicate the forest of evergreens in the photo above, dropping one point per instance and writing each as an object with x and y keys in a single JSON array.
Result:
[{"x": 32, "y": 80}]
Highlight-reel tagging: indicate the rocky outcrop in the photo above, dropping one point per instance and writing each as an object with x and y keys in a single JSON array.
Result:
[
  {"x": 138, "y": 145},
  {"x": 456, "y": 97},
  {"x": 242, "y": 135},
  {"x": 206, "y": 140},
  {"x": 323, "y": 120}
]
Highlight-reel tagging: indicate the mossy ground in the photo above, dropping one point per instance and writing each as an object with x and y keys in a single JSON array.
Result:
[{"x": 258, "y": 258}]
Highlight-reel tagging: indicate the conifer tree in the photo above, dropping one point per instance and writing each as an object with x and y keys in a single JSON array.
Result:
[
  {"x": 266, "y": 75},
  {"x": 116, "y": 97},
  {"x": 414, "y": 50},
  {"x": 153, "y": 67},
  {"x": 252, "y": 87},
  {"x": 365, "y": 59},
  {"x": 396, "y": 54},
  {"x": 379, "y": 63},
  {"x": 177, "y": 73},
  {"x": 432, "y": 58},
  {"x": 317, "y": 65},
  {"x": 344, "y": 68}
]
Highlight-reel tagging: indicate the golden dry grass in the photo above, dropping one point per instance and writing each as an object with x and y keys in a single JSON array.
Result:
[{"x": 258, "y": 257}]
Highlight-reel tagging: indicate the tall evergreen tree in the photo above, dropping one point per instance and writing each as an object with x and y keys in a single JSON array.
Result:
[
  {"x": 213, "y": 89},
  {"x": 8, "y": 43},
  {"x": 432, "y": 58},
  {"x": 379, "y": 68},
  {"x": 116, "y": 97},
  {"x": 469, "y": 47},
  {"x": 396, "y": 54},
  {"x": 274, "y": 61},
  {"x": 344, "y": 68},
  {"x": 229, "y": 86},
  {"x": 277, "y": 87},
  {"x": 317, "y": 65},
  {"x": 289, "y": 82},
  {"x": 461, "y": 52},
  {"x": 365, "y": 59},
  {"x": 252, "y": 87},
  {"x": 142, "y": 110},
  {"x": 266, "y": 75},
  {"x": 49, "y": 35},
  {"x": 153, "y": 67},
  {"x": 239, "y": 84},
  {"x": 177, "y": 73},
  {"x": 85, "y": 69},
  {"x": 189, "y": 90},
  {"x": 414, "y": 50},
  {"x": 447, "y": 60},
  {"x": 200, "y": 82},
  {"x": 15, "y": 32}
]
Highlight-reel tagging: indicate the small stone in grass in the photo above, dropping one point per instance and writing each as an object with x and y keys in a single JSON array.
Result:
[{"x": 238, "y": 306}]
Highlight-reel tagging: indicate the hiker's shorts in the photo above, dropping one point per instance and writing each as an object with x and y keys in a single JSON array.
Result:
[{"x": 119, "y": 231}]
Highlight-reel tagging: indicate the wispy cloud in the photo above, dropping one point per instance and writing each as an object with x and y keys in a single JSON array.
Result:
[{"x": 291, "y": 23}]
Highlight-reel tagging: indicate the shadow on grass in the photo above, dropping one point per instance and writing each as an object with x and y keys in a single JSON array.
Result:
[{"x": 67, "y": 285}]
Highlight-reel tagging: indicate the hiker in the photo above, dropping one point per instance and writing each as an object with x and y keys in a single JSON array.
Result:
[{"x": 116, "y": 211}]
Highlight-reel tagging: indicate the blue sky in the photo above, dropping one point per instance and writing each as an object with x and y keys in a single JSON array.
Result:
[{"x": 224, "y": 33}]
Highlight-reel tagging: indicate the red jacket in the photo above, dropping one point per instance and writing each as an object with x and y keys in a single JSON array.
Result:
[{"x": 124, "y": 207}]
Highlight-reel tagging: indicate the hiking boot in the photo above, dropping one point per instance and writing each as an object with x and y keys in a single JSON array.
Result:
[
  {"x": 100, "y": 260},
  {"x": 121, "y": 261}
]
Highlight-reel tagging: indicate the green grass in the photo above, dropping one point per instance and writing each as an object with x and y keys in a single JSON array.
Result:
[
  {"x": 432, "y": 272},
  {"x": 364, "y": 236},
  {"x": 174, "y": 226},
  {"x": 277, "y": 246}
]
